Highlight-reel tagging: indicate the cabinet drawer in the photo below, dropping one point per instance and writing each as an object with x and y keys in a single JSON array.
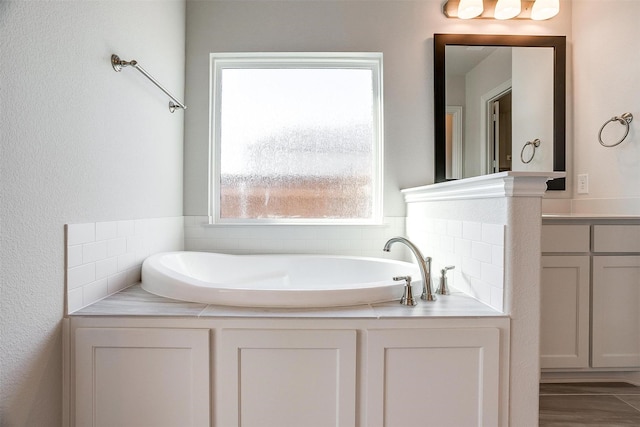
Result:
[
  {"x": 565, "y": 238},
  {"x": 616, "y": 238}
]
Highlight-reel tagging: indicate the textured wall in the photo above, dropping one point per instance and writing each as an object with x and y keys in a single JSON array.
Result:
[{"x": 79, "y": 142}]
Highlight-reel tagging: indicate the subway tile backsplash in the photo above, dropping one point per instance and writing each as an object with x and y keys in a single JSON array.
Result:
[
  {"x": 105, "y": 257},
  {"x": 476, "y": 250}
]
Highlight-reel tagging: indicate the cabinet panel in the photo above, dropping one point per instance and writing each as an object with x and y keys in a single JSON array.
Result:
[
  {"x": 141, "y": 377},
  {"x": 433, "y": 377},
  {"x": 616, "y": 238},
  {"x": 564, "y": 334},
  {"x": 616, "y": 311},
  {"x": 565, "y": 238},
  {"x": 286, "y": 378}
]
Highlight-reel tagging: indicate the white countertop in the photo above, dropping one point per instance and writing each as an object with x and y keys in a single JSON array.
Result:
[
  {"x": 134, "y": 301},
  {"x": 590, "y": 216}
]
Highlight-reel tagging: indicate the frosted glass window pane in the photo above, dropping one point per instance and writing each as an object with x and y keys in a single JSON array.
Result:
[{"x": 296, "y": 143}]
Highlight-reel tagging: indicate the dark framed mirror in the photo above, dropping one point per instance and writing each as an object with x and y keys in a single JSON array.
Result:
[{"x": 554, "y": 141}]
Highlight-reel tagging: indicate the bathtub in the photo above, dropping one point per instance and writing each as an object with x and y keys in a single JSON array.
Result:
[{"x": 275, "y": 280}]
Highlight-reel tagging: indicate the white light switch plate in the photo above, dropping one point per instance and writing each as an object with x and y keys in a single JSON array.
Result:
[{"x": 583, "y": 183}]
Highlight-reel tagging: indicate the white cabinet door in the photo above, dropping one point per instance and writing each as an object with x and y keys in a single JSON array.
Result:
[
  {"x": 616, "y": 312},
  {"x": 141, "y": 377},
  {"x": 285, "y": 378},
  {"x": 433, "y": 377},
  {"x": 564, "y": 333}
]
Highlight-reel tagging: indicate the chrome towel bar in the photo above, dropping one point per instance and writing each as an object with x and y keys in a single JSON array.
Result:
[{"x": 118, "y": 64}]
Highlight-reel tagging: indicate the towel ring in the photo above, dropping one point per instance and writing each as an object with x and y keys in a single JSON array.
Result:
[
  {"x": 534, "y": 144},
  {"x": 624, "y": 119}
]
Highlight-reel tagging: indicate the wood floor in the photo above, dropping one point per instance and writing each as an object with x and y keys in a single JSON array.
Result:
[{"x": 589, "y": 404}]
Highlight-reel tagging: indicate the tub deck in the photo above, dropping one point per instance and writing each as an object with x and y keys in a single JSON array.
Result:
[{"x": 135, "y": 301}]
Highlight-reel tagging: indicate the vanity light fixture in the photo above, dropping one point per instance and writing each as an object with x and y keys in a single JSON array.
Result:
[
  {"x": 501, "y": 9},
  {"x": 507, "y": 9},
  {"x": 545, "y": 9},
  {"x": 468, "y": 9}
]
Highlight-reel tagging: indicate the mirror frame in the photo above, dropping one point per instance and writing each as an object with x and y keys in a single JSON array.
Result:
[{"x": 558, "y": 43}]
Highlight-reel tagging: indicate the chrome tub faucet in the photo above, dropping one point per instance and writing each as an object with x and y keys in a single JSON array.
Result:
[{"x": 424, "y": 264}]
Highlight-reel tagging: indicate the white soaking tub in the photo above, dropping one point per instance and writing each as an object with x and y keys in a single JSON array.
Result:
[{"x": 276, "y": 280}]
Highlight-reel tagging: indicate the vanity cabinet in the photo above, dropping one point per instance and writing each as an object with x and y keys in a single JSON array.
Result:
[
  {"x": 590, "y": 308},
  {"x": 616, "y": 296},
  {"x": 133, "y": 377}
]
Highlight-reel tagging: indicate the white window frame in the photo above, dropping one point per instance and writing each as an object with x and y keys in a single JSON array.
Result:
[{"x": 366, "y": 60}]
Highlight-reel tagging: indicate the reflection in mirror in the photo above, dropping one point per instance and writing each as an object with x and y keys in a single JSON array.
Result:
[
  {"x": 454, "y": 141},
  {"x": 494, "y": 94}
]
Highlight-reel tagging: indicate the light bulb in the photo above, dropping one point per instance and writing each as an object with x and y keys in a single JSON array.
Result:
[
  {"x": 545, "y": 9},
  {"x": 468, "y": 9},
  {"x": 507, "y": 9}
]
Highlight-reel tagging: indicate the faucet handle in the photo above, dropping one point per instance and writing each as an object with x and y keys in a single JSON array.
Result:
[
  {"x": 407, "y": 297},
  {"x": 443, "y": 289}
]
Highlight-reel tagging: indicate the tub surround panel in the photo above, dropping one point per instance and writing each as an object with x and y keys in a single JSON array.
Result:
[
  {"x": 103, "y": 258},
  {"x": 350, "y": 240},
  {"x": 362, "y": 366}
]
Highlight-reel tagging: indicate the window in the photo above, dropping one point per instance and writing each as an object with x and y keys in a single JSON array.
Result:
[{"x": 297, "y": 138}]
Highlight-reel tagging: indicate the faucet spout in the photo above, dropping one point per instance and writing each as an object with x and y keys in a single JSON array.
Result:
[{"x": 424, "y": 264}]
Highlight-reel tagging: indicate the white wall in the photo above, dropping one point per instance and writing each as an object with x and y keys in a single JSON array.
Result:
[
  {"x": 455, "y": 90},
  {"x": 488, "y": 75},
  {"x": 80, "y": 143},
  {"x": 402, "y": 30},
  {"x": 606, "y": 68},
  {"x": 532, "y": 108}
]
